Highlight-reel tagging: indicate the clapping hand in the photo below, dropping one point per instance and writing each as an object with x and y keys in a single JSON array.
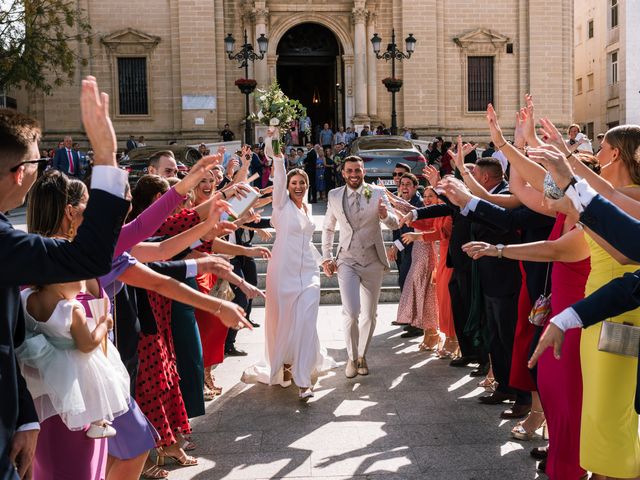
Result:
[
  {"x": 554, "y": 161},
  {"x": 478, "y": 250},
  {"x": 407, "y": 219},
  {"x": 382, "y": 209},
  {"x": 214, "y": 264},
  {"x": 410, "y": 237},
  {"x": 94, "y": 107},
  {"x": 432, "y": 174},
  {"x": 456, "y": 191},
  {"x": 552, "y": 336}
]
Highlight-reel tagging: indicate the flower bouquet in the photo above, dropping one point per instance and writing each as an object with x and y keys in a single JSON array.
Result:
[{"x": 277, "y": 111}]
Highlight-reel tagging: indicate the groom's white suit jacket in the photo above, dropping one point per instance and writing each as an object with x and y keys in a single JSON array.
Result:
[{"x": 368, "y": 226}]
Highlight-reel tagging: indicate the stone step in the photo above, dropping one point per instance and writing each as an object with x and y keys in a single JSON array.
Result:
[
  {"x": 331, "y": 296},
  {"x": 390, "y": 280}
]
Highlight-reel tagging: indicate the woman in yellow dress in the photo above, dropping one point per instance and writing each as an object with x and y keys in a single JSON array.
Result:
[{"x": 609, "y": 441}]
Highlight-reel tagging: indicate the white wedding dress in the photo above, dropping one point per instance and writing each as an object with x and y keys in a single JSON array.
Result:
[
  {"x": 293, "y": 295},
  {"x": 80, "y": 387}
]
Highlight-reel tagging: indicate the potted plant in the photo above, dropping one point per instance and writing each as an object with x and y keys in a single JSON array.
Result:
[
  {"x": 392, "y": 84},
  {"x": 246, "y": 85}
]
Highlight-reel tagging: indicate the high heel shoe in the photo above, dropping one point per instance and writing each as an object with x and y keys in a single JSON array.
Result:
[
  {"x": 426, "y": 347},
  {"x": 182, "y": 460},
  {"x": 286, "y": 376},
  {"x": 305, "y": 394},
  {"x": 519, "y": 432}
]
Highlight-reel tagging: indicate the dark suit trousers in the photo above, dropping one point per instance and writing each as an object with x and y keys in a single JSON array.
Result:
[
  {"x": 312, "y": 195},
  {"x": 502, "y": 316},
  {"x": 244, "y": 267},
  {"x": 404, "y": 264},
  {"x": 460, "y": 292}
]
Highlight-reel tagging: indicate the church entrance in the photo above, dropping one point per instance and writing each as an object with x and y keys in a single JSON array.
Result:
[{"x": 310, "y": 69}]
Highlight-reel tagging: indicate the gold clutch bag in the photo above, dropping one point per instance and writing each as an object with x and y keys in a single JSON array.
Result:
[
  {"x": 619, "y": 338},
  {"x": 222, "y": 290}
]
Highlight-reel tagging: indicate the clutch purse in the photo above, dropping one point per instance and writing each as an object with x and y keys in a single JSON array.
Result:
[
  {"x": 550, "y": 189},
  {"x": 541, "y": 310},
  {"x": 222, "y": 290},
  {"x": 619, "y": 338}
]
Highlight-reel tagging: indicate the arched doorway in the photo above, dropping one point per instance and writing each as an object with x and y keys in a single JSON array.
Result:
[{"x": 310, "y": 69}]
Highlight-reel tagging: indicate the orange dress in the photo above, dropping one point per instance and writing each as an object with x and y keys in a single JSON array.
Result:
[{"x": 442, "y": 227}]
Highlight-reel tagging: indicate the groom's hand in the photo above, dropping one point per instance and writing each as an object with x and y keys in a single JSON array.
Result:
[
  {"x": 329, "y": 267},
  {"x": 382, "y": 209}
]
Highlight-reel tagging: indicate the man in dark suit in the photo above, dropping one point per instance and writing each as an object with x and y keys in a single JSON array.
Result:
[
  {"x": 67, "y": 160},
  {"x": 310, "y": 168},
  {"x": 31, "y": 259},
  {"x": 131, "y": 143}
]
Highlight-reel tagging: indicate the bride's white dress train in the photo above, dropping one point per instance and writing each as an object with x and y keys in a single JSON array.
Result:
[{"x": 293, "y": 295}]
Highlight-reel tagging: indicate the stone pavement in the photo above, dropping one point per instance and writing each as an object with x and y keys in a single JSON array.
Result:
[{"x": 413, "y": 417}]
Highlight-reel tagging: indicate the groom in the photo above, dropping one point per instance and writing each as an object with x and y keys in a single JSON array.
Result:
[{"x": 361, "y": 258}]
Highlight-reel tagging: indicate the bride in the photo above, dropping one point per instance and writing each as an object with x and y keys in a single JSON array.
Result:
[{"x": 292, "y": 347}]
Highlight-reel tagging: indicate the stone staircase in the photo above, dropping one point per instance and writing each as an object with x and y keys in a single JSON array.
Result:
[{"x": 330, "y": 293}]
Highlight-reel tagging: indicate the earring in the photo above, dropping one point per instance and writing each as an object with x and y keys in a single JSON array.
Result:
[{"x": 71, "y": 233}]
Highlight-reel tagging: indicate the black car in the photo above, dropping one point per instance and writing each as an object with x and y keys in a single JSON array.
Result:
[
  {"x": 381, "y": 153},
  {"x": 137, "y": 161}
]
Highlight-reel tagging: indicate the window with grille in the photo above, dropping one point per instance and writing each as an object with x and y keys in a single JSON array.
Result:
[
  {"x": 132, "y": 86},
  {"x": 614, "y": 13},
  {"x": 479, "y": 83}
]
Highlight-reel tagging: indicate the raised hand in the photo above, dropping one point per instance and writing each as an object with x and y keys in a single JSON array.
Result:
[
  {"x": 554, "y": 161},
  {"x": 478, "y": 250},
  {"x": 551, "y": 135},
  {"x": 552, "y": 337},
  {"x": 197, "y": 173},
  {"x": 529, "y": 125},
  {"x": 494, "y": 127},
  {"x": 232, "y": 166},
  {"x": 519, "y": 140},
  {"x": 94, "y": 107},
  {"x": 432, "y": 174},
  {"x": 382, "y": 209}
]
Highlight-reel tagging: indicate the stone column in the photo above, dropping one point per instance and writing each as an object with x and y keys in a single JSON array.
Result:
[
  {"x": 360, "y": 62},
  {"x": 261, "y": 16},
  {"x": 372, "y": 77}
]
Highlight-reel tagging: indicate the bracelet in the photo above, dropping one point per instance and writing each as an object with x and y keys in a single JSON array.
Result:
[
  {"x": 498, "y": 148},
  {"x": 217, "y": 312},
  {"x": 224, "y": 195},
  {"x": 572, "y": 182},
  {"x": 570, "y": 154}
]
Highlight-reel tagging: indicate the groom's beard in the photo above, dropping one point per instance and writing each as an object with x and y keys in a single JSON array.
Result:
[{"x": 355, "y": 186}]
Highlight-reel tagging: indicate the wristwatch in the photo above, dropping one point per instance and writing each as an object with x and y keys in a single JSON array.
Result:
[{"x": 500, "y": 248}]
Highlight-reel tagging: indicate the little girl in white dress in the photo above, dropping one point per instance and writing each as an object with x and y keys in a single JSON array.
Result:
[{"x": 71, "y": 367}]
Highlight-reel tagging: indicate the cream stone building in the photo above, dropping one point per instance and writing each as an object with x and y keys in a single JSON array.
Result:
[
  {"x": 607, "y": 64},
  {"x": 165, "y": 66}
]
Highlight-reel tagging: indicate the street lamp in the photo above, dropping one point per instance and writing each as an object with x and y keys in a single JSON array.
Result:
[
  {"x": 392, "y": 83},
  {"x": 244, "y": 56}
]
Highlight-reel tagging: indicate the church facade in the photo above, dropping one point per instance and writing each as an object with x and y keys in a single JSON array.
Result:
[{"x": 165, "y": 67}]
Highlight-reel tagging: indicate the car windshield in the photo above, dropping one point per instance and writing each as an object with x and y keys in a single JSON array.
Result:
[{"x": 383, "y": 143}]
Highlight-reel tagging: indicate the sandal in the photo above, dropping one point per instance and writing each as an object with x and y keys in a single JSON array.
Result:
[
  {"x": 519, "y": 432},
  {"x": 154, "y": 472},
  {"x": 286, "y": 376},
  {"x": 430, "y": 348},
  {"x": 208, "y": 394},
  {"x": 182, "y": 460}
]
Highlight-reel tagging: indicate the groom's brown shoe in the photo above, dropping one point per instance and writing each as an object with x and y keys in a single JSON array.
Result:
[
  {"x": 350, "y": 371},
  {"x": 363, "y": 369}
]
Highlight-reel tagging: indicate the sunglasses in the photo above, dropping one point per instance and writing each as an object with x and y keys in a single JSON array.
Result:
[
  {"x": 39, "y": 161},
  {"x": 398, "y": 174}
]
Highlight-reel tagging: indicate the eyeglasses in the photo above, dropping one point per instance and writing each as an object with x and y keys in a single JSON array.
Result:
[
  {"x": 398, "y": 174},
  {"x": 39, "y": 161}
]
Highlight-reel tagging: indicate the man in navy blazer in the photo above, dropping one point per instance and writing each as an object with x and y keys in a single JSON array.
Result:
[
  {"x": 28, "y": 259},
  {"x": 67, "y": 160}
]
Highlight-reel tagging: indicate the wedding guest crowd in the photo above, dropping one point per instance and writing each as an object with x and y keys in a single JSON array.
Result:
[{"x": 120, "y": 299}]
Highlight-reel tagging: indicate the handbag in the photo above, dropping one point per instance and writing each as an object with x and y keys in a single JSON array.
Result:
[
  {"x": 619, "y": 338},
  {"x": 222, "y": 290},
  {"x": 541, "y": 309}
]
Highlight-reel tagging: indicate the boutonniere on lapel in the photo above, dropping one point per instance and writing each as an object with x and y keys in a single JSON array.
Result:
[{"x": 366, "y": 191}]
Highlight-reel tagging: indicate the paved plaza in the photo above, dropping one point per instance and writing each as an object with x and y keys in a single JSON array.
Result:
[{"x": 413, "y": 417}]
